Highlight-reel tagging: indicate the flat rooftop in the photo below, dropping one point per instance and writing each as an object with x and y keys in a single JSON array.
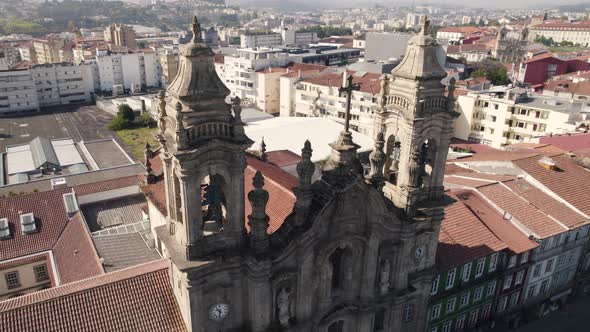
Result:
[
  {"x": 112, "y": 213},
  {"x": 124, "y": 250},
  {"x": 107, "y": 153}
]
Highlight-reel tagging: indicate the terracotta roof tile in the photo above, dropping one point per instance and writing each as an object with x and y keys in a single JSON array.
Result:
[
  {"x": 570, "y": 182},
  {"x": 370, "y": 82},
  {"x": 283, "y": 158},
  {"x": 134, "y": 299},
  {"x": 75, "y": 255},
  {"x": 521, "y": 210},
  {"x": 515, "y": 239},
  {"x": 568, "y": 142},
  {"x": 460, "y": 29},
  {"x": 463, "y": 237}
]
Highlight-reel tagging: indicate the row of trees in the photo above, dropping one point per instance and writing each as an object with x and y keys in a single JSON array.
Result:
[{"x": 324, "y": 31}]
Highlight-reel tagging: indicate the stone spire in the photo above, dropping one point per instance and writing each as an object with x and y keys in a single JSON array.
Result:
[
  {"x": 263, "y": 155},
  {"x": 149, "y": 174},
  {"x": 305, "y": 170},
  {"x": 377, "y": 159},
  {"x": 258, "y": 219}
]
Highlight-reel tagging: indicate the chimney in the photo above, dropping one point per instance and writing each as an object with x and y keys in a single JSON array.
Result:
[
  {"x": 344, "y": 78},
  {"x": 548, "y": 164}
]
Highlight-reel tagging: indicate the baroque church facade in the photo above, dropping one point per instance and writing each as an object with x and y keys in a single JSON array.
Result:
[{"x": 356, "y": 253}]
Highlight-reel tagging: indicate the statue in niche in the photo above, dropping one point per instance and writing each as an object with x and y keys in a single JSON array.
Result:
[
  {"x": 384, "y": 277},
  {"x": 284, "y": 306}
]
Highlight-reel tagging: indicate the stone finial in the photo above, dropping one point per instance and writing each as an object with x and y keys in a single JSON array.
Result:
[
  {"x": 377, "y": 159},
  {"x": 424, "y": 24},
  {"x": 181, "y": 137},
  {"x": 237, "y": 108},
  {"x": 305, "y": 168},
  {"x": 258, "y": 219},
  {"x": 451, "y": 96},
  {"x": 196, "y": 30},
  {"x": 263, "y": 155},
  {"x": 149, "y": 174},
  {"x": 162, "y": 111}
]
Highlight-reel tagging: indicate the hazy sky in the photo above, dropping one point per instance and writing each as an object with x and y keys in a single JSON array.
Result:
[{"x": 470, "y": 3}]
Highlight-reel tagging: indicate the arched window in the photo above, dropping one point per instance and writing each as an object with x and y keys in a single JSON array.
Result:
[
  {"x": 337, "y": 326},
  {"x": 379, "y": 322},
  {"x": 213, "y": 203},
  {"x": 427, "y": 157},
  {"x": 341, "y": 263}
]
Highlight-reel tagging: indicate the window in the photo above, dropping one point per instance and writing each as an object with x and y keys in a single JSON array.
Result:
[
  {"x": 512, "y": 261},
  {"x": 514, "y": 299},
  {"x": 451, "y": 305},
  {"x": 12, "y": 280},
  {"x": 531, "y": 292},
  {"x": 451, "y": 278},
  {"x": 486, "y": 310},
  {"x": 408, "y": 312},
  {"x": 493, "y": 262},
  {"x": 435, "y": 311},
  {"x": 502, "y": 303},
  {"x": 491, "y": 288},
  {"x": 537, "y": 270},
  {"x": 507, "y": 282},
  {"x": 549, "y": 266},
  {"x": 460, "y": 323},
  {"x": 27, "y": 221},
  {"x": 464, "y": 300},
  {"x": 543, "y": 287},
  {"x": 524, "y": 258},
  {"x": 446, "y": 327},
  {"x": 480, "y": 265},
  {"x": 4, "y": 229},
  {"x": 379, "y": 324},
  {"x": 337, "y": 326},
  {"x": 519, "y": 277},
  {"x": 41, "y": 272},
  {"x": 473, "y": 317},
  {"x": 466, "y": 272},
  {"x": 435, "y": 285},
  {"x": 560, "y": 261},
  {"x": 70, "y": 203}
]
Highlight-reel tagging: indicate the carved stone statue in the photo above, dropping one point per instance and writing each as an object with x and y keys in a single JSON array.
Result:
[
  {"x": 384, "y": 277},
  {"x": 237, "y": 108},
  {"x": 283, "y": 306}
]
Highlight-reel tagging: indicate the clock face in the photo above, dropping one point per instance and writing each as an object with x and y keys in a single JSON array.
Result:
[
  {"x": 419, "y": 252},
  {"x": 218, "y": 312}
]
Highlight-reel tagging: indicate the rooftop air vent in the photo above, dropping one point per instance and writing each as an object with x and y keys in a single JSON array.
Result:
[
  {"x": 58, "y": 183},
  {"x": 507, "y": 216},
  {"x": 4, "y": 229},
  {"x": 27, "y": 223},
  {"x": 548, "y": 164}
]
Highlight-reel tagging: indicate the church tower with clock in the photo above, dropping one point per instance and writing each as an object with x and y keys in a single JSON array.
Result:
[{"x": 332, "y": 265}]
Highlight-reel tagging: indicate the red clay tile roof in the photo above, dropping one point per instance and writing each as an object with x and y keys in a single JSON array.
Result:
[
  {"x": 135, "y": 299},
  {"x": 460, "y": 29},
  {"x": 283, "y": 158},
  {"x": 571, "y": 182},
  {"x": 500, "y": 155},
  {"x": 517, "y": 241},
  {"x": 464, "y": 182},
  {"x": 463, "y": 237},
  {"x": 370, "y": 82},
  {"x": 75, "y": 255},
  {"x": 50, "y": 216},
  {"x": 546, "y": 203},
  {"x": 521, "y": 210},
  {"x": 568, "y": 142},
  {"x": 467, "y": 48}
]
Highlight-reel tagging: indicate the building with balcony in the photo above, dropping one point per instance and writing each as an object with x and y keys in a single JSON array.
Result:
[
  {"x": 120, "y": 35},
  {"x": 575, "y": 32},
  {"x": 504, "y": 115}
]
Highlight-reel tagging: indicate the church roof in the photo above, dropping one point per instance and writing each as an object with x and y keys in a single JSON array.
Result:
[{"x": 135, "y": 299}]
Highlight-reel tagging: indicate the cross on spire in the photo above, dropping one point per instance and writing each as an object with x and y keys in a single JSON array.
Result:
[{"x": 348, "y": 89}]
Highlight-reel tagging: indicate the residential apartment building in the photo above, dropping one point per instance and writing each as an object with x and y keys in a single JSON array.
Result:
[
  {"x": 27, "y": 90},
  {"x": 576, "y": 32},
  {"x": 17, "y": 92},
  {"x": 505, "y": 115},
  {"x": 240, "y": 69},
  {"x": 9, "y": 55},
  {"x": 53, "y": 49},
  {"x": 120, "y": 35},
  {"x": 319, "y": 96},
  {"x": 455, "y": 34},
  {"x": 537, "y": 70},
  {"x": 253, "y": 40},
  {"x": 131, "y": 71},
  {"x": 168, "y": 59}
]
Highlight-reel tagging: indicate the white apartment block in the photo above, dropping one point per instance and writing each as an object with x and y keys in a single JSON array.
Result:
[
  {"x": 129, "y": 70},
  {"x": 240, "y": 70},
  {"x": 318, "y": 96},
  {"x": 503, "y": 115},
  {"x": 45, "y": 85},
  {"x": 261, "y": 40},
  {"x": 577, "y": 33}
]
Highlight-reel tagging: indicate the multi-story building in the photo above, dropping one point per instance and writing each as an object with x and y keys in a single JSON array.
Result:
[
  {"x": 17, "y": 92},
  {"x": 168, "y": 59},
  {"x": 240, "y": 69},
  {"x": 454, "y": 34},
  {"x": 120, "y": 35},
  {"x": 268, "y": 39},
  {"x": 504, "y": 115},
  {"x": 576, "y": 32},
  {"x": 9, "y": 55},
  {"x": 53, "y": 49},
  {"x": 132, "y": 71},
  {"x": 292, "y": 37},
  {"x": 318, "y": 96},
  {"x": 537, "y": 70},
  {"x": 463, "y": 292}
]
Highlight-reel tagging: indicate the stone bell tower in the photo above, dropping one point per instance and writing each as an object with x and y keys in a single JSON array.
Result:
[
  {"x": 416, "y": 120},
  {"x": 203, "y": 145}
]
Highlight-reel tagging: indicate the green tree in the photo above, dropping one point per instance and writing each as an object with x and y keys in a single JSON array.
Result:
[
  {"x": 147, "y": 120},
  {"x": 126, "y": 112},
  {"x": 119, "y": 123}
]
